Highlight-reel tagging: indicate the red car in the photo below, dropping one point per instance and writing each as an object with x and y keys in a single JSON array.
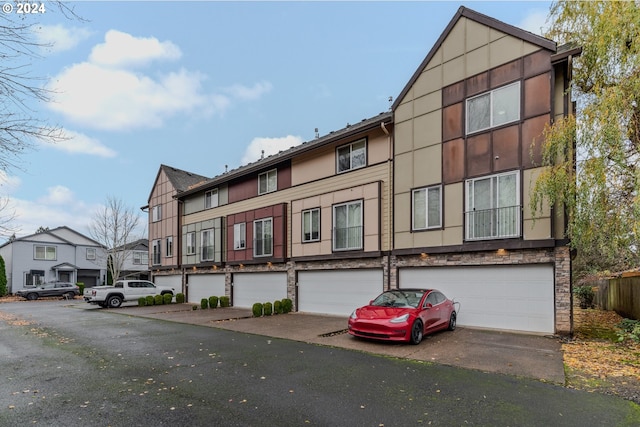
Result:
[{"x": 404, "y": 315}]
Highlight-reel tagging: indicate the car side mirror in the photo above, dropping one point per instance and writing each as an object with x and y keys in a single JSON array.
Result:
[{"x": 428, "y": 305}]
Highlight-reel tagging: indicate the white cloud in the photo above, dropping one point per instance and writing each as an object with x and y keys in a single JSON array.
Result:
[
  {"x": 8, "y": 184},
  {"x": 122, "y": 49},
  {"x": 79, "y": 143},
  {"x": 57, "y": 195},
  {"x": 535, "y": 22},
  {"x": 249, "y": 93},
  {"x": 270, "y": 146},
  {"x": 103, "y": 93},
  {"x": 58, "y": 38}
]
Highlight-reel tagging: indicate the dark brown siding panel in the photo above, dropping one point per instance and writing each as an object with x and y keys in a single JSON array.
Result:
[
  {"x": 243, "y": 189},
  {"x": 537, "y": 63},
  {"x": 284, "y": 177},
  {"x": 532, "y": 140},
  {"x": 452, "y": 123},
  {"x": 479, "y": 155},
  {"x": 506, "y": 148},
  {"x": 453, "y": 161},
  {"x": 452, "y": 94},
  {"x": 506, "y": 73},
  {"x": 537, "y": 95},
  {"x": 278, "y": 213},
  {"x": 478, "y": 84}
]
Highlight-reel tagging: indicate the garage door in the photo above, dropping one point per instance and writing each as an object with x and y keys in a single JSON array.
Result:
[
  {"x": 204, "y": 286},
  {"x": 337, "y": 292},
  {"x": 174, "y": 281},
  {"x": 499, "y": 297},
  {"x": 250, "y": 288}
]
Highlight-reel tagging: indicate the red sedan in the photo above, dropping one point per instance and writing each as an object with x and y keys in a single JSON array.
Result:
[{"x": 404, "y": 315}]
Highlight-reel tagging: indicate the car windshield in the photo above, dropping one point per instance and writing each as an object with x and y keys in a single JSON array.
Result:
[{"x": 398, "y": 299}]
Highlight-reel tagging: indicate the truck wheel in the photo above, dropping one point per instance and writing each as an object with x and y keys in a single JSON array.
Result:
[
  {"x": 114, "y": 302},
  {"x": 32, "y": 296}
]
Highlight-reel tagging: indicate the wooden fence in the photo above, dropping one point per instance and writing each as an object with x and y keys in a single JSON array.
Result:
[{"x": 621, "y": 295}]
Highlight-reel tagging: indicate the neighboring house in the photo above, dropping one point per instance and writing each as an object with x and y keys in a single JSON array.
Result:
[
  {"x": 61, "y": 254},
  {"x": 431, "y": 194},
  {"x": 136, "y": 260},
  {"x": 164, "y": 222}
]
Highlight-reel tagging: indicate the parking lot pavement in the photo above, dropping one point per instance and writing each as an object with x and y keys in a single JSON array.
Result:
[{"x": 531, "y": 356}]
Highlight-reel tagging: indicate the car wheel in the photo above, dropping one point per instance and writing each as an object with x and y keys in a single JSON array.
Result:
[
  {"x": 417, "y": 331},
  {"x": 114, "y": 302},
  {"x": 32, "y": 296},
  {"x": 452, "y": 321},
  {"x": 69, "y": 295}
]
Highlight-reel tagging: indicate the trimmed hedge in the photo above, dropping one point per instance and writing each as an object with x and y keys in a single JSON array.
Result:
[
  {"x": 158, "y": 300},
  {"x": 180, "y": 298},
  {"x": 257, "y": 309},
  {"x": 213, "y": 302},
  {"x": 150, "y": 300},
  {"x": 204, "y": 303},
  {"x": 268, "y": 309},
  {"x": 287, "y": 305},
  {"x": 277, "y": 307},
  {"x": 224, "y": 301},
  {"x": 168, "y": 298},
  {"x": 142, "y": 301}
]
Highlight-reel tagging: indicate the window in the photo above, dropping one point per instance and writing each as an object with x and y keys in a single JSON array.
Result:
[
  {"x": 493, "y": 108},
  {"x": 268, "y": 181},
  {"x": 46, "y": 253},
  {"x": 263, "y": 237},
  {"x": 211, "y": 199},
  {"x": 91, "y": 253},
  {"x": 155, "y": 250},
  {"x": 352, "y": 156},
  {"x": 206, "y": 250},
  {"x": 347, "y": 232},
  {"x": 493, "y": 207},
  {"x": 426, "y": 208},
  {"x": 191, "y": 243},
  {"x": 156, "y": 213},
  {"x": 141, "y": 258},
  {"x": 239, "y": 236},
  {"x": 311, "y": 225},
  {"x": 168, "y": 250}
]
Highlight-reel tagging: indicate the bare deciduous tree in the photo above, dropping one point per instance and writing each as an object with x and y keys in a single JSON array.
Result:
[{"x": 115, "y": 226}]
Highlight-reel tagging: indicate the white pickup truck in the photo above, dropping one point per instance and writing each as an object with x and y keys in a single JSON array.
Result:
[{"x": 123, "y": 291}]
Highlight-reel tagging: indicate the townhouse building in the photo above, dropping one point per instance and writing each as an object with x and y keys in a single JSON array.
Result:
[{"x": 434, "y": 193}]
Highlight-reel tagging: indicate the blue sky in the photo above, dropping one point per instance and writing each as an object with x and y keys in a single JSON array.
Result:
[{"x": 200, "y": 85}]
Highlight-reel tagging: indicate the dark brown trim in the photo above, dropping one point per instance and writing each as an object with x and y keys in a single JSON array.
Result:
[
  {"x": 339, "y": 256},
  {"x": 493, "y": 245}
]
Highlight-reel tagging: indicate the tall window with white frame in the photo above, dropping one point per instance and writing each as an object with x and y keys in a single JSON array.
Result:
[
  {"x": 239, "y": 236},
  {"x": 263, "y": 237},
  {"x": 156, "y": 252},
  {"x": 156, "y": 213},
  {"x": 42, "y": 252},
  {"x": 268, "y": 181},
  {"x": 211, "y": 199},
  {"x": 426, "y": 208},
  {"x": 191, "y": 243},
  {"x": 493, "y": 108},
  {"x": 348, "y": 226},
  {"x": 168, "y": 251},
  {"x": 207, "y": 247},
  {"x": 352, "y": 156},
  {"x": 311, "y": 225},
  {"x": 140, "y": 258},
  {"x": 91, "y": 254},
  {"x": 493, "y": 207}
]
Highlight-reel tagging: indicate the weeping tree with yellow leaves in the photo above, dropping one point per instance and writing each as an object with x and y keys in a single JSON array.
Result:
[{"x": 593, "y": 158}]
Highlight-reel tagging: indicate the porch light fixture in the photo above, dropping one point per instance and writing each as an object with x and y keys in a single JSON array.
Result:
[
  {"x": 424, "y": 256},
  {"x": 194, "y": 268},
  {"x": 269, "y": 264},
  {"x": 215, "y": 267},
  {"x": 241, "y": 266},
  {"x": 501, "y": 252}
]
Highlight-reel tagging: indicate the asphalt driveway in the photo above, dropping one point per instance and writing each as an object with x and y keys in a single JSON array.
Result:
[{"x": 532, "y": 356}]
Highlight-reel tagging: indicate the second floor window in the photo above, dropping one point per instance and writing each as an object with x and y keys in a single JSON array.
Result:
[
  {"x": 239, "y": 236},
  {"x": 311, "y": 225},
  {"x": 91, "y": 253},
  {"x": 268, "y": 182},
  {"x": 347, "y": 223},
  {"x": 493, "y": 108},
  {"x": 493, "y": 207},
  {"x": 155, "y": 252},
  {"x": 46, "y": 253},
  {"x": 426, "y": 208},
  {"x": 169, "y": 247},
  {"x": 191, "y": 243},
  {"x": 211, "y": 199},
  {"x": 206, "y": 250},
  {"x": 140, "y": 258},
  {"x": 156, "y": 213},
  {"x": 263, "y": 237},
  {"x": 352, "y": 156}
]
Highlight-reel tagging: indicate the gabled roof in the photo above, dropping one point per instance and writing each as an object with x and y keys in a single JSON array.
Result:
[
  {"x": 463, "y": 12},
  {"x": 139, "y": 244},
  {"x": 62, "y": 234},
  {"x": 180, "y": 180},
  {"x": 349, "y": 130}
]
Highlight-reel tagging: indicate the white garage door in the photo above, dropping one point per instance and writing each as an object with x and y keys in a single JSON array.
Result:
[
  {"x": 204, "y": 286},
  {"x": 174, "y": 281},
  {"x": 499, "y": 297},
  {"x": 337, "y": 292},
  {"x": 250, "y": 288}
]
